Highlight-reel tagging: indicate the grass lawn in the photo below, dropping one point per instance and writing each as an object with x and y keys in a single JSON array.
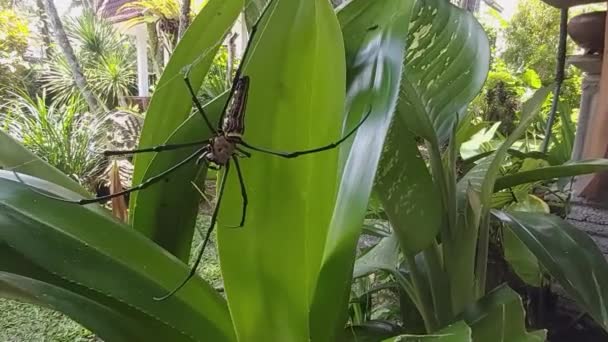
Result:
[{"x": 21, "y": 322}]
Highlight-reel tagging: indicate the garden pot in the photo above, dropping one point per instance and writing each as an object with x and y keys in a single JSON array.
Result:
[{"x": 587, "y": 30}]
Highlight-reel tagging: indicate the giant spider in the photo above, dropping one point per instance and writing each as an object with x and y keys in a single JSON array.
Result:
[{"x": 224, "y": 148}]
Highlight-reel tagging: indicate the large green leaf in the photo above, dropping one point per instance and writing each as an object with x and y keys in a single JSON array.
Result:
[
  {"x": 371, "y": 331},
  {"x": 84, "y": 246},
  {"x": 166, "y": 213},
  {"x": 374, "y": 34},
  {"x": 382, "y": 257},
  {"x": 521, "y": 259},
  {"x": 15, "y": 157},
  {"x": 457, "y": 332},
  {"x": 530, "y": 110},
  {"x": 295, "y": 102},
  {"x": 447, "y": 63},
  {"x": 569, "y": 255},
  {"x": 407, "y": 191},
  {"x": 500, "y": 316},
  {"x": 110, "y": 319},
  {"x": 546, "y": 173},
  {"x": 487, "y": 173}
]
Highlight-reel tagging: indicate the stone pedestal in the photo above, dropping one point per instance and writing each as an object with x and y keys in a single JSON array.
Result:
[
  {"x": 588, "y": 215},
  {"x": 591, "y": 65}
]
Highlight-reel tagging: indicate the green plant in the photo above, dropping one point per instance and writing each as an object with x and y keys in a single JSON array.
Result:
[
  {"x": 60, "y": 133},
  {"x": 107, "y": 58},
  {"x": 216, "y": 81},
  {"x": 14, "y": 33},
  {"x": 287, "y": 273}
]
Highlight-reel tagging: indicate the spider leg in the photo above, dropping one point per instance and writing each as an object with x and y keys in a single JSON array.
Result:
[
  {"x": 141, "y": 186},
  {"x": 243, "y": 153},
  {"x": 197, "y": 103},
  {"x": 243, "y": 192},
  {"x": 158, "y": 148},
  {"x": 239, "y": 71},
  {"x": 296, "y": 154},
  {"x": 199, "y": 255}
]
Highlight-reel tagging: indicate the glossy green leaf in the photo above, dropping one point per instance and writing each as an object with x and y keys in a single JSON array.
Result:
[
  {"x": 371, "y": 331},
  {"x": 530, "y": 110},
  {"x": 167, "y": 212},
  {"x": 84, "y": 246},
  {"x": 375, "y": 36},
  {"x": 521, "y": 259},
  {"x": 407, "y": 191},
  {"x": 110, "y": 319},
  {"x": 500, "y": 316},
  {"x": 569, "y": 255},
  {"x": 383, "y": 256},
  {"x": 295, "y": 102},
  {"x": 15, "y": 157},
  {"x": 457, "y": 332},
  {"x": 550, "y": 172},
  {"x": 435, "y": 91}
]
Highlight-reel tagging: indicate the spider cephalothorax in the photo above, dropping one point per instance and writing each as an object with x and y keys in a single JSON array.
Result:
[{"x": 221, "y": 150}]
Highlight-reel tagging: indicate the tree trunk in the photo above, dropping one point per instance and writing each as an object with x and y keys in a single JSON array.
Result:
[
  {"x": 184, "y": 17},
  {"x": 70, "y": 56},
  {"x": 44, "y": 29},
  {"x": 155, "y": 49}
]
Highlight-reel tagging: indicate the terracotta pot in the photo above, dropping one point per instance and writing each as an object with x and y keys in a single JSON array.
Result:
[
  {"x": 587, "y": 30},
  {"x": 570, "y": 3}
]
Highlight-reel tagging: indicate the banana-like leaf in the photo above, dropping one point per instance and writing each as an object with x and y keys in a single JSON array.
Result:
[
  {"x": 521, "y": 259},
  {"x": 15, "y": 157},
  {"x": 447, "y": 63},
  {"x": 371, "y": 331},
  {"x": 295, "y": 102},
  {"x": 528, "y": 114},
  {"x": 84, "y": 246},
  {"x": 383, "y": 256},
  {"x": 545, "y": 173},
  {"x": 167, "y": 213},
  {"x": 487, "y": 174},
  {"x": 457, "y": 332},
  {"x": 375, "y": 36},
  {"x": 569, "y": 255},
  {"x": 407, "y": 191},
  {"x": 500, "y": 316}
]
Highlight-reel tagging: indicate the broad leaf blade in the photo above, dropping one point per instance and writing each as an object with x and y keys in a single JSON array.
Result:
[
  {"x": 435, "y": 91},
  {"x": 166, "y": 212},
  {"x": 383, "y": 256},
  {"x": 569, "y": 255},
  {"x": 545, "y": 173},
  {"x": 15, "y": 157},
  {"x": 375, "y": 35},
  {"x": 500, "y": 316},
  {"x": 108, "y": 318},
  {"x": 85, "y": 246},
  {"x": 530, "y": 109},
  {"x": 371, "y": 331},
  {"x": 407, "y": 191},
  {"x": 170, "y": 106},
  {"x": 295, "y": 102},
  {"x": 457, "y": 332}
]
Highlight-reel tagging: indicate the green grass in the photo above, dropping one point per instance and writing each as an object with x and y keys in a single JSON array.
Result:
[{"x": 21, "y": 322}]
